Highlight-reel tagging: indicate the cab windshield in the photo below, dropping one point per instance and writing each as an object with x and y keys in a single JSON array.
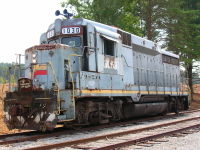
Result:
[
  {"x": 53, "y": 41},
  {"x": 72, "y": 41}
]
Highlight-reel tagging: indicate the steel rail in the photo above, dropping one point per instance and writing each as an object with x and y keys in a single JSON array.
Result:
[
  {"x": 59, "y": 133},
  {"x": 151, "y": 137},
  {"x": 2, "y": 136},
  {"x": 90, "y": 139}
]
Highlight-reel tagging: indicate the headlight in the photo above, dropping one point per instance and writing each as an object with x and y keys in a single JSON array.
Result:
[
  {"x": 34, "y": 60},
  {"x": 34, "y": 57}
]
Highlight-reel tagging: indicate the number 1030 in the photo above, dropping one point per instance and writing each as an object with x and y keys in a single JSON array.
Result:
[{"x": 71, "y": 30}]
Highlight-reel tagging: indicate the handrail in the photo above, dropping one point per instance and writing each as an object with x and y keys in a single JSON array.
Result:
[
  {"x": 70, "y": 71},
  {"x": 58, "y": 95}
]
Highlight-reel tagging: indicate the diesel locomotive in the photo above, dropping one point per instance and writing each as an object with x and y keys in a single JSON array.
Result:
[{"x": 84, "y": 72}]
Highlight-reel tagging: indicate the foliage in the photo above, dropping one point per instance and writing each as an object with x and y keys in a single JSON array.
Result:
[
  {"x": 184, "y": 33},
  {"x": 153, "y": 15},
  {"x": 5, "y": 75},
  {"x": 4, "y": 72},
  {"x": 119, "y": 13},
  {"x": 177, "y": 24},
  {"x": 184, "y": 30}
]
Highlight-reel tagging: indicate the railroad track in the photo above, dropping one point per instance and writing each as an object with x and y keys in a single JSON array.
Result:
[
  {"x": 125, "y": 138},
  {"x": 28, "y": 133},
  {"x": 3, "y": 136},
  {"x": 34, "y": 135}
]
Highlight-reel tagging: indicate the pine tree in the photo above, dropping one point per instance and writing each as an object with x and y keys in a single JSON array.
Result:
[{"x": 184, "y": 34}]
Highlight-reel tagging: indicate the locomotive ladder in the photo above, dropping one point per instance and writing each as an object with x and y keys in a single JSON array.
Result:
[{"x": 58, "y": 90}]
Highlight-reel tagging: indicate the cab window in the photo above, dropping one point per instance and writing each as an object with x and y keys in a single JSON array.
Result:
[
  {"x": 108, "y": 47},
  {"x": 53, "y": 41},
  {"x": 71, "y": 41}
]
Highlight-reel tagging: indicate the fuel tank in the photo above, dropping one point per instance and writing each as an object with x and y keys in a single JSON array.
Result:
[{"x": 131, "y": 110}]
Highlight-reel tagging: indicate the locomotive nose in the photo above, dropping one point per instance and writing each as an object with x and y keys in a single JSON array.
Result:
[{"x": 30, "y": 108}]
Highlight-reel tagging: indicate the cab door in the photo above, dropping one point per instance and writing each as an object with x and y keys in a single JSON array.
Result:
[{"x": 91, "y": 50}]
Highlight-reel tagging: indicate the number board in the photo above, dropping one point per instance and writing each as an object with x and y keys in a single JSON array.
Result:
[
  {"x": 71, "y": 30},
  {"x": 25, "y": 85},
  {"x": 50, "y": 34}
]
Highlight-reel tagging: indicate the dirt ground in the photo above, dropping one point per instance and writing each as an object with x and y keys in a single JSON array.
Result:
[
  {"x": 195, "y": 104},
  {"x": 3, "y": 128}
]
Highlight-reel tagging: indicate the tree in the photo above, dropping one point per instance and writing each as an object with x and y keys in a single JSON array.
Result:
[
  {"x": 183, "y": 31},
  {"x": 119, "y": 13},
  {"x": 13, "y": 74},
  {"x": 155, "y": 16},
  {"x": 177, "y": 23},
  {"x": 4, "y": 72}
]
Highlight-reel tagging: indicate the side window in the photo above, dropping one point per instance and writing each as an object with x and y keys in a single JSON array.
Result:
[
  {"x": 109, "y": 47},
  {"x": 170, "y": 60},
  {"x": 125, "y": 37}
]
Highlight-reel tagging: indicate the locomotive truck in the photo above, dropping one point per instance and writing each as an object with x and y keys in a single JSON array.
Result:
[{"x": 84, "y": 72}]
